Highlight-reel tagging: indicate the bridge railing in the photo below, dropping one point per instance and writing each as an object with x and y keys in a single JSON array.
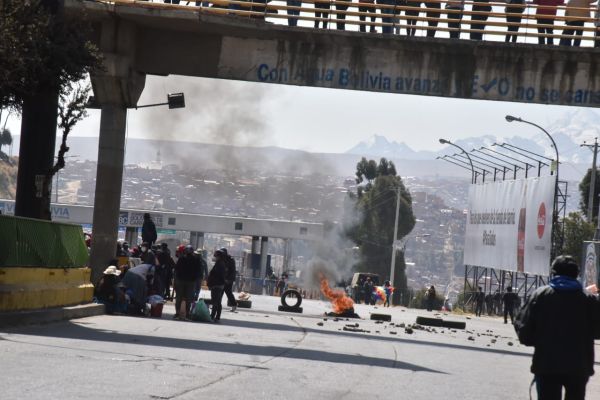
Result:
[{"x": 454, "y": 19}]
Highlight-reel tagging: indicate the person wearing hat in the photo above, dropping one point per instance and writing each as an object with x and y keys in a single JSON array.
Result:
[
  {"x": 230, "y": 275},
  {"x": 561, "y": 321},
  {"x": 216, "y": 284},
  {"x": 106, "y": 291}
]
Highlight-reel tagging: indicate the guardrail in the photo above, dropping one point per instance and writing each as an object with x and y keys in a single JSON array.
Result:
[
  {"x": 454, "y": 19},
  {"x": 35, "y": 243}
]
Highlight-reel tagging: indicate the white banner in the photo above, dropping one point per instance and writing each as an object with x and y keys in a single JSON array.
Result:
[{"x": 509, "y": 225}]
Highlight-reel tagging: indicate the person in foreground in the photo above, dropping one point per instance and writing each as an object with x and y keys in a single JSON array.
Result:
[{"x": 561, "y": 321}]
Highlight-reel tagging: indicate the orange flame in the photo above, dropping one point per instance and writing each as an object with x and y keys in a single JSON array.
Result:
[{"x": 339, "y": 300}]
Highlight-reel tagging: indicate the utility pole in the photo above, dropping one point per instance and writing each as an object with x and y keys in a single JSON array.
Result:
[
  {"x": 594, "y": 148},
  {"x": 393, "y": 266}
]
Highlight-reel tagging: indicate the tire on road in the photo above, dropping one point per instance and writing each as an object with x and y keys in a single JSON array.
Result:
[
  {"x": 381, "y": 317},
  {"x": 427, "y": 321},
  {"x": 291, "y": 293}
]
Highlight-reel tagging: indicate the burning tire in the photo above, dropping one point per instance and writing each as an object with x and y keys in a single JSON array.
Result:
[{"x": 294, "y": 294}]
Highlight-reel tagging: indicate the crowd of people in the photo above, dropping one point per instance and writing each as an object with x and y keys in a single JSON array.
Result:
[
  {"x": 497, "y": 303},
  {"x": 157, "y": 277},
  {"x": 390, "y": 12}
]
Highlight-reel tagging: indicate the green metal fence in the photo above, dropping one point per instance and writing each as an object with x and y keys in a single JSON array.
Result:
[{"x": 28, "y": 242}]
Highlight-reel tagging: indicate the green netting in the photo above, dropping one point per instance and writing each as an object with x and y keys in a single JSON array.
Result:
[{"x": 28, "y": 242}]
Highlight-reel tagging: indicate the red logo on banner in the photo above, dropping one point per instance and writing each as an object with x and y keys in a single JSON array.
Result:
[{"x": 541, "y": 220}]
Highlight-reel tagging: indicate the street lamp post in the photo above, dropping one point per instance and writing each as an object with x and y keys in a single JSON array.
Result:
[
  {"x": 444, "y": 141},
  {"x": 510, "y": 118}
]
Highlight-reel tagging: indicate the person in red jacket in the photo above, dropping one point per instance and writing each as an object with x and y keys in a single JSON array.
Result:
[{"x": 546, "y": 11}]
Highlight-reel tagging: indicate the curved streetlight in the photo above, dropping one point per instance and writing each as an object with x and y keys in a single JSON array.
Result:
[
  {"x": 444, "y": 141},
  {"x": 510, "y": 118}
]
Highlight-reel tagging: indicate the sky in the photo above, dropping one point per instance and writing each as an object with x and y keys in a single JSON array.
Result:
[{"x": 312, "y": 119}]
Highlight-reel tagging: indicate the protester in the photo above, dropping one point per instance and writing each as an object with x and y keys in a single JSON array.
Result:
[
  {"x": 368, "y": 290},
  {"x": 323, "y": 12},
  {"x": 432, "y": 11},
  {"x": 509, "y": 299},
  {"x": 149, "y": 234},
  {"x": 489, "y": 302},
  {"x": 147, "y": 255},
  {"x": 479, "y": 300},
  {"x": 187, "y": 272},
  {"x": 165, "y": 269},
  {"x": 430, "y": 296},
  {"x": 107, "y": 291},
  {"x": 411, "y": 16},
  {"x": 387, "y": 288},
  {"x": 457, "y": 7},
  {"x": 578, "y": 10},
  {"x": 200, "y": 255},
  {"x": 513, "y": 7},
  {"x": 546, "y": 12},
  {"x": 293, "y": 3},
  {"x": 481, "y": 17},
  {"x": 340, "y": 16},
  {"x": 369, "y": 8},
  {"x": 216, "y": 284},
  {"x": 230, "y": 275},
  {"x": 561, "y": 321}
]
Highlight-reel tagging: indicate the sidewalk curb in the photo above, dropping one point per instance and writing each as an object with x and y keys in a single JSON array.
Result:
[{"x": 48, "y": 315}]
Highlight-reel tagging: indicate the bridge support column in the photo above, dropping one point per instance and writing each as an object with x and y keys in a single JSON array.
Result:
[
  {"x": 131, "y": 235},
  {"x": 255, "y": 244},
  {"x": 116, "y": 88},
  {"x": 197, "y": 240},
  {"x": 264, "y": 252},
  {"x": 287, "y": 255}
]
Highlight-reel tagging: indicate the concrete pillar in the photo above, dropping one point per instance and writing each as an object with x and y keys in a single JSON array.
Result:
[
  {"x": 255, "y": 244},
  {"x": 264, "y": 252},
  {"x": 197, "y": 240},
  {"x": 117, "y": 87},
  {"x": 131, "y": 235},
  {"x": 287, "y": 255}
]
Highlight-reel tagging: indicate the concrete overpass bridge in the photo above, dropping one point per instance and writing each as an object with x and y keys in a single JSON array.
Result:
[{"x": 139, "y": 38}]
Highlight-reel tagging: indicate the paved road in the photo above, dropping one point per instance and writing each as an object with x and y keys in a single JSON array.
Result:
[{"x": 264, "y": 354}]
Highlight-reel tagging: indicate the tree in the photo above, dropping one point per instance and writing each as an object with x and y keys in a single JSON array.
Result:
[
  {"x": 373, "y": 229},
  {"x": 5, "y": 136},
  {"x": 41, "y": 55},
  {"x": 577, "y": 229},
  {"x": 584, "y": 192}
]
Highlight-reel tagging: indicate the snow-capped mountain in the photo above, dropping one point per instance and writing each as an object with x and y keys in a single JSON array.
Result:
[{"x": 569, "y": 131}]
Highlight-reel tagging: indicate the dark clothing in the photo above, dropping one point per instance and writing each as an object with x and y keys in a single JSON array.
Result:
[
  {"x": 548, "y": 31},
  {"x": 149, "y": 231},
  {"x": 549, "y": 387},
  {"x": 455, "y": 24},
  {"x": 148, "y": 257},
  {"x": 230, "y": 275},
  {"x": 184, "y": 291},
  {"x": 216, "y": 276},
  {"x": 572, "y": 31},
  {"x": 479, "y": 299},
  {"x": 510, "y": 300},
  {"x": 165, "y": 271},
  {"x": 561, "y": 322},
  {"x": 322, "y": 5},
  {"x": 412, "y": 13},
  {"x": 368, "y": 288},
  {"x": 387, "y": 15},
  {"x": 106, "y": 289},
  {"x": 188, "y": 269},
  {"x": 432, "y": 14},
  {"x": 362, "y": 18},
  {"x": 216, "y": 294},
  {"x": 430, "y": 296},
  {"x": 515, "y": 7},
  {"x": 293, "y": 3},
  {"x": 341, "y": 17},
  {"x": 480, "y": 25}
]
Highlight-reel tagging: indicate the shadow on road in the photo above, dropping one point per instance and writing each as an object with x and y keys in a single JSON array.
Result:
[{"x": 75, "y": 331}]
